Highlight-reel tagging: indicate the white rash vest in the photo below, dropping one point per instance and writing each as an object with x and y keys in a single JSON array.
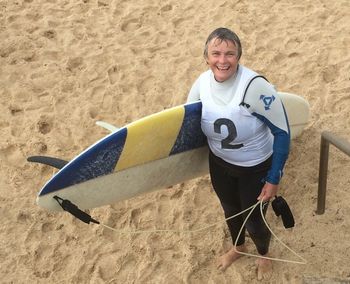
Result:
[{"x": 241, "y": 135}]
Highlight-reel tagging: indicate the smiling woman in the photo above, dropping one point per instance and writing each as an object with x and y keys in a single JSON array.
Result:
[
  {"x": 222, "y": 59},
  {"x": 248, "y": 143},
  {"x": 222, "y": 56}
]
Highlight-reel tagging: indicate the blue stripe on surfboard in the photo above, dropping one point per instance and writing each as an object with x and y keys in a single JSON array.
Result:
[
  {"x": 99, "y": 160},
  {"x": 190, "y": 136}
]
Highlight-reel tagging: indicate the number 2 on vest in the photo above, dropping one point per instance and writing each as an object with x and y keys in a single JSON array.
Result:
[{"x": 232, "y": 133}]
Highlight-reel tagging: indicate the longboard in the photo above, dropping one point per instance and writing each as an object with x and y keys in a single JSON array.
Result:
[{"x": 151, "y": 153}]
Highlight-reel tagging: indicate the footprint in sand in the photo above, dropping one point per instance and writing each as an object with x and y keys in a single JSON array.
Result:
[
  {"x": 340, "y": 104},
  {"x": 93, "y": 112},
  {"x": 98, "y": 93},
  {"x": 330, "y": 73},
  {"x": 166, "y": 8},
  {"x": 135, "y": 214},
  {"x": 177, "y": 194},
  {"x": 44, "y": 125},
  {"x": 15, "y": 110},
  {"x": 74, "y": 63},
  {"x": 50, "y": 34},
  {"x": 130, "y": 25},
  {"x": 11, "y": 155},
  {"x": 113, "y": 74},
  {"x": 39, "y": 147}
]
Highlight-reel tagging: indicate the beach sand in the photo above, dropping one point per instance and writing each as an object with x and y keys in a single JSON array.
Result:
[{"x": 66, "y": 64}]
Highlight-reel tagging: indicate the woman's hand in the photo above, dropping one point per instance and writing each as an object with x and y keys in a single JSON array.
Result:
[{"x": 268, "y": 191}]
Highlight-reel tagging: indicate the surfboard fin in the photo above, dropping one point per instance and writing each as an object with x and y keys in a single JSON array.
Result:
[
  {"x": 74, "y": 210},
  {"x": 50, "y": 161},
  {"x": 107, "y": 126}
]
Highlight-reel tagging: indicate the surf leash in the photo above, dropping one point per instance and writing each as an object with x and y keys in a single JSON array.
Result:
[
  {"x": 86, "y": 218},
  {"x": 74, "y": 210},
  {"x": 122, "y": 231},
  {"x": 261, "y": 203}
]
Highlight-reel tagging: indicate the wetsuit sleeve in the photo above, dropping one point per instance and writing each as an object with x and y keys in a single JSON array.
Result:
[
  {"x": 194, "y": 94},
  {"x": 263, "y": 101}
]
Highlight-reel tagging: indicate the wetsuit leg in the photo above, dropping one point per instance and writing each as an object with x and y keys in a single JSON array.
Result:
[
  {"x": 250, "y": 188},
  {"x": 226, "y": 188}
]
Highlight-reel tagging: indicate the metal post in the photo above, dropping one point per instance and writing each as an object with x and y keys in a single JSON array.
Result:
[
  {"x": 326, "y": 139},
  {"x": 322, "y": 176}
]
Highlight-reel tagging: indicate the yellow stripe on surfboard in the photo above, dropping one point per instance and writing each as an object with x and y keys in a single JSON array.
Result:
[{"x": 144, "y": 134}]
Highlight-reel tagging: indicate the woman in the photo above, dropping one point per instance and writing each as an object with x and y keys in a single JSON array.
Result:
[{"x": 248, "y": 137}]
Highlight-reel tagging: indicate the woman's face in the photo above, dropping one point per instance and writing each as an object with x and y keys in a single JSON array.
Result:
[{"x": 222, "y": 59}]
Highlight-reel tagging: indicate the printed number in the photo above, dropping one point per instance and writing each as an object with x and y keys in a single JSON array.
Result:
[{"x": 232, "y": 133}]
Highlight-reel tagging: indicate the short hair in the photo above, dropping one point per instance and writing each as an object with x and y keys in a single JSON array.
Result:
[{"x": 224, "y": 34}]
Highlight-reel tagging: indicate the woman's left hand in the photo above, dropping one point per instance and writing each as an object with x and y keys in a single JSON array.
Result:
[{"x": 268, "y": 191}]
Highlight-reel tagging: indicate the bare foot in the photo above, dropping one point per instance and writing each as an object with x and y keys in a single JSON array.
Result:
[
  {"x": 229, "y": 257},
  {"x": 264, "y": 268}
]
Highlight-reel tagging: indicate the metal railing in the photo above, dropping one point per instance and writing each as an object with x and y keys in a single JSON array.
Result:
[{"x": 343, "y": 145}]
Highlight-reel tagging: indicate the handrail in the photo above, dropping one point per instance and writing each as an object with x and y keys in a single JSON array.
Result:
[{"x": 343, "y": 145}]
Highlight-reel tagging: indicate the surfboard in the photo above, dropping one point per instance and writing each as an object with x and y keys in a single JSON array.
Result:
[
  {"x": 151, "y": 153},
  {"x": 298, "y": 110}
]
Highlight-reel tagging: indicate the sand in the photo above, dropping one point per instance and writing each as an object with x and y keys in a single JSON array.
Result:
[{"x": 66, "y": 64}]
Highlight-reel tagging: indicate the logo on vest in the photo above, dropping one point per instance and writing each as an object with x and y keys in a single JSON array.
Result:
[{"x": 267, "y": 101}]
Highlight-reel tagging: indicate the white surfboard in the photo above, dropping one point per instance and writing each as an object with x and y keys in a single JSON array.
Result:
[
  {"x": 154, "y": 152},
  {"x": 298, "y": 110}
]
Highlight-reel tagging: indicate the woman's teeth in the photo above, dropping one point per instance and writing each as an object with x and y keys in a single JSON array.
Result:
[{"x": 223, "y": 68}]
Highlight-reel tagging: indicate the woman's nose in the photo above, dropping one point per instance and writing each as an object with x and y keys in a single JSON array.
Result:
[{"x": 222, "y": 58}]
